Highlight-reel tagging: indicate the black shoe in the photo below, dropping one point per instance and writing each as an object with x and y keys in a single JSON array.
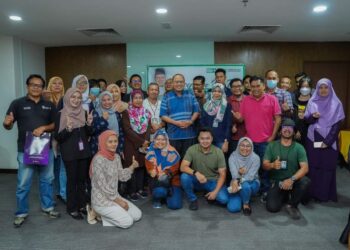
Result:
[
  {"x": 142, "y": 194},
  {"x": 293, "y": 212},
  {"x": 193, "y": 205},
  {"x": 60, "y": 198},
  {"x": 134, "y": 197},
  {"x": 76, "y": 215},
  {"x": 247, "y": 211},
  {"x": 83, "y": 211}
]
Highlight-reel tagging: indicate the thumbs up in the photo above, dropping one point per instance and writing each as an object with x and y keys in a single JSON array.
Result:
[
  {"x": 285, "y": 106},
  {"x": 134, "y": 164},
  {"x": 89, "y": 119},
  {"x": 9, "y": 119},
  {"x": 277, "y": 163}
]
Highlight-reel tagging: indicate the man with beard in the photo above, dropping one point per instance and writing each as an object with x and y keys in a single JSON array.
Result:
[{"x": 287, "y": 164}]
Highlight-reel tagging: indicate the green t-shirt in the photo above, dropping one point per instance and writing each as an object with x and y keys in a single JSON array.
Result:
[
  {"x": 206, "y": 163},
  {"x": 293, "y": 155}
]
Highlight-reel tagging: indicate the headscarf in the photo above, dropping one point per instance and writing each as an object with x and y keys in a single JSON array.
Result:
[
  {"x": 139, "y": 116},
  {"x": 162, "y": 158},
  {"x": 118, "y": 105},
  {"x": 75, "y": 114},
  {"x": 112, "y": 118},
  {"x": 55, "y": 97},
  {"x": 86, "y": 100},
  {"x": 102, "y": 147},
  {"x": 330, "y": 108},
  {"x": 237, "y": 160},
  {"x": 216, "y": 107}
]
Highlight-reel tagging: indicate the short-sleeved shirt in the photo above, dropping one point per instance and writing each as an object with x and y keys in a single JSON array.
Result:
[
  {"x": 179, "y": 108},
  {"x": 30, "y": 115},
  {"x": 293, "y": 155},
  {"x": 207, "y": 164},
  {"x": 283, "y": 96},
  {"x": 259, "y": 115}
]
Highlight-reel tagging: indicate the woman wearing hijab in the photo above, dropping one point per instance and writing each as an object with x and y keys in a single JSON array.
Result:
[
  {"x": 106, "y": 170},
  {"x": 105, "y": 117},
  {"x": 216, "y": 113},
  {"x": 82, "y": 83},
  {"x": 162, "y": 164},
  {"x": 324, "y": 113},
  {"x": 55, "y": 91},
  {"x": 137, "y": 126},
  {"x": 118, "y": 105},
  {"x": 72, "y": 129},
  {"x": 244, "y": 165}
]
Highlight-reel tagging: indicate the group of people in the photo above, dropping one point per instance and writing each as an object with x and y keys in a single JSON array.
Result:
[{"x": 110, "y": 147}]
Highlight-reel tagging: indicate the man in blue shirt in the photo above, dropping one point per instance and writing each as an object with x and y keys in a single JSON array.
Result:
[{"x": 179, "y": 109}]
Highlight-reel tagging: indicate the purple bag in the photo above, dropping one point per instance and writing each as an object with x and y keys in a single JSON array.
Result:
[{"x": 36, "y": 149}]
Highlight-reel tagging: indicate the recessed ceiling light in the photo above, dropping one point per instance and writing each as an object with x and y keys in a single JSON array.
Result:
[
  {"x": 15, "y": 18},
  {"x": 178, "y": 56},
  {"x": 128, "y": 66},
  {"x": 161, "y": 11},
  {"x": 320, "y": 8}
]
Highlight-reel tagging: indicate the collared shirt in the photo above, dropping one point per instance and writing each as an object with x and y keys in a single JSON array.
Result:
[
  {"x": 235, "y": 105},
  {"x": 207, "y": 163},
  {"x": 283, "y": 96},
  {"x": 179, "y": 108},
  {"x": 30, "y": 115},
  {"x": 258, "y": 116}
]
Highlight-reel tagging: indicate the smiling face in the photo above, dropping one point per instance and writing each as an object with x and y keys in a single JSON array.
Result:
[
  {"x": 237, "y": 88},
  {"x": 287, "y": 132},
  {"x": 136, "y": 82},
  {"x": 216, "y": 93},
  {"x": 323, "y": 90},
  {"x": 178, "y": 83},
  {"x": 123, "y": 88},
  {"x": 112, "y": 143},
  {"x": 205, "y": 139},
  {"x": 153, "y": 91},
  {"x": 35, "y": 87},
  {"x": 75, "y": 99},
  {"x": 160, "y": 141},
  {"x": 220, "y": 77},
  {"x": 245, "y": 148},
  {"x": 257, "y": 88},
  {"x": 285, "y": 83},
  {"x": 115, "y": 93},
  {"x": 82, "y": 84},
  {"x": 137, "y": 100},
  {"x": 106, "y": 102}
]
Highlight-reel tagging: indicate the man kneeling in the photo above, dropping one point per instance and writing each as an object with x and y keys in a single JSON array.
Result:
[
  {"x": 287, "y": 162},
  {"x": 207, "y": 171}
]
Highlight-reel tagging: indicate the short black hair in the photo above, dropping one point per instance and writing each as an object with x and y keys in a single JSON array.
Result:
[
  {"x": 246, "y": 76},
  {"x": 270, "y": 70},
  {"x": 30, "y": 77},
  {"x": 119, "y": 83},
  {"x": 159, "y": 71},
  {"x": 135, "y": 75},
  {"x": 220, "y": 70},
  {"x": 93, "y": 83},
  {"x": 235, "y": 80},
  {"x": 305, "y": 79},
  {"x": 102, "y": 80},
  {"x": 300, "y": 74},
  {"x": 256, "y": 78},
  {"x": 204, "y": 130},
  {"x": 152, "y": 84},
  {"x": 200, "y": 78}
]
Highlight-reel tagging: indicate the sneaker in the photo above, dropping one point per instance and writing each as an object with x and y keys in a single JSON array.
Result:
[
  {"x": 18, "y": 221},
  {"x": 60, "y": 198},
  {"x": 142, "y": 194},
  {"x": 157, "y": 204},
  {"x": 193, "y": 205},
  {"x": 293, "y": 212},
  {"x": 247, "y": 211},
  {"x": 76, "y": 215},
  {"x": 133, "y": 197},
  {"x": 263, "y": 197},
  {"x": 52, "y": 214}
]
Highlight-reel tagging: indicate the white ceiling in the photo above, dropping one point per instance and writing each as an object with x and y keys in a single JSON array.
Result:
[{"x": 55, "y": 23}]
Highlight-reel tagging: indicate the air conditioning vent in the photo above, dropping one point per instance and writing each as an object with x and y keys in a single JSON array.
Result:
[
  {"x": 263, "y": 28},
  {"x": 99, "y": 32}
]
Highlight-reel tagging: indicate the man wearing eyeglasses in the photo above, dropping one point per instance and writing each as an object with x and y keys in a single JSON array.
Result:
[
  {"x": 287, "y": 164},
  {"x": 35, "y": 115}
]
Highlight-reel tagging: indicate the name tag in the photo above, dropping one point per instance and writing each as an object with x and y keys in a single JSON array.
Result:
[
  {"x": 81, "y": 145},
  {"x": 27, "y": 108}
]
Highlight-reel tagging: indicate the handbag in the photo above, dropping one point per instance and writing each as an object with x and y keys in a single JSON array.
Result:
[{"x": 36, "y": 149}]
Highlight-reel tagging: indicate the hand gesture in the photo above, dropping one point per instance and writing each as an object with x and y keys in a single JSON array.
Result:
[
  {"x": 285, "y": 106},
  {"x": 46, "y": 94},
  {"x": 236, "y": 115},
  {"x": 301, "y": 115},
  {"x": 92, "y": 98},
  {"x": 242, "y": 170},
  {"x": 39, "y": 131},
  {"x": 145, "y": 144},
  {"x": 316, "y": 115},
  {"x": 298, "y": 135},
  {"x": 234, "y": 128},
  {"x": 277, "y": 163},
  {"x": 153, "y": 173},
  {"x": 69, "y": 124},
  {"x": 90, "y": 118},
  {"x": 105, "y": 115},
  {"x": 234, "y": 186},
  {"x": 201, "y": 178},
  {"x": 224, "y": 147},
  {"x": 134, "y": 163},
  {"x": 9, "y": 119}
]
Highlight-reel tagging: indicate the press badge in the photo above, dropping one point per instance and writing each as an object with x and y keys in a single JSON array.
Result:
[
  {"x": 283, "y": 164},
  {"x": 81, "y": 145}
]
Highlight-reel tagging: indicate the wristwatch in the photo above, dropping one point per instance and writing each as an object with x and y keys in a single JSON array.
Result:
[{"x": 293, "y": 178}]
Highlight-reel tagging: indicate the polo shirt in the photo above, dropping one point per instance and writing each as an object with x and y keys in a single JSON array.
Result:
[
  {"x": 294, "y": 155},
  {"x": 207, "y": 164},
  {"x": 179, "y": 108},
  {"x": 30, "y": 115},
  {"x": 259, "y": 115}
]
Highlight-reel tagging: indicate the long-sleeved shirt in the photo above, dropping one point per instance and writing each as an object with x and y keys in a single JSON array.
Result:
[{"x": 252, "y": 171}]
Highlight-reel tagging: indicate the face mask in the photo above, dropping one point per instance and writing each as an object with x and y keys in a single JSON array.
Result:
[
  {"x": 271, "y": 84},
  {"x": 305, "y": 91},
  {"x": 94, "y": 91}
]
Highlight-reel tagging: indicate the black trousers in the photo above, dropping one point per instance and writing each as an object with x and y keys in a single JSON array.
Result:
[
  {"x": 137, "y": 180},
  {"x": 182, "y": 145},
  {"x": 76, "y": 183},
  {"x": 276, "y": 196}
]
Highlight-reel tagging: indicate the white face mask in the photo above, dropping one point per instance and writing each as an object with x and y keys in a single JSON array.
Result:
[{"x": 305, "y": 91}]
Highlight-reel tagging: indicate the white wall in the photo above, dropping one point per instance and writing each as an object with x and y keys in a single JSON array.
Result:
[{"x": 18, "y": 59}]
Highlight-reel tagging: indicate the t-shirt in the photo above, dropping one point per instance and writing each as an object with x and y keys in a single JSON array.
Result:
[
  {"x": 30, "y": 115},
  {"x": 259, "y": 115},
  {"x": 294, "y": 154},
  {"x": 206, "y": 163}
]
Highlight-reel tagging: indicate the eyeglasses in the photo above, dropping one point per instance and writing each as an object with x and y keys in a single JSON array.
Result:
[
  {"x": 35, "y": 86},
  {"x": 244, "y": 146},
  {"x": 135, "y": 81}
]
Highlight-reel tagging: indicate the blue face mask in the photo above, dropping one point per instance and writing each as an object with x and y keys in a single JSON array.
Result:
[
  {"x": 271, "y": 84},
  {"x": 94, "y": 91}
]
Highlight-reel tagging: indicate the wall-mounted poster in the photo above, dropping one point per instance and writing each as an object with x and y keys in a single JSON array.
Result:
[{"x": 159, "y": 73}]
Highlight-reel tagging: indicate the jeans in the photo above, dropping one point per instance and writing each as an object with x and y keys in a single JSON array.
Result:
[
  {"x": 249, "y": 188},
  {"x": 190, "y": 183},
  {"x": 60, "y": 177},
  {"x": 276, "y": 196},
  {"x": 24, "y": 182},
  {"x": 173, "y": 201},
  {"x": 259, "y": 149}
]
